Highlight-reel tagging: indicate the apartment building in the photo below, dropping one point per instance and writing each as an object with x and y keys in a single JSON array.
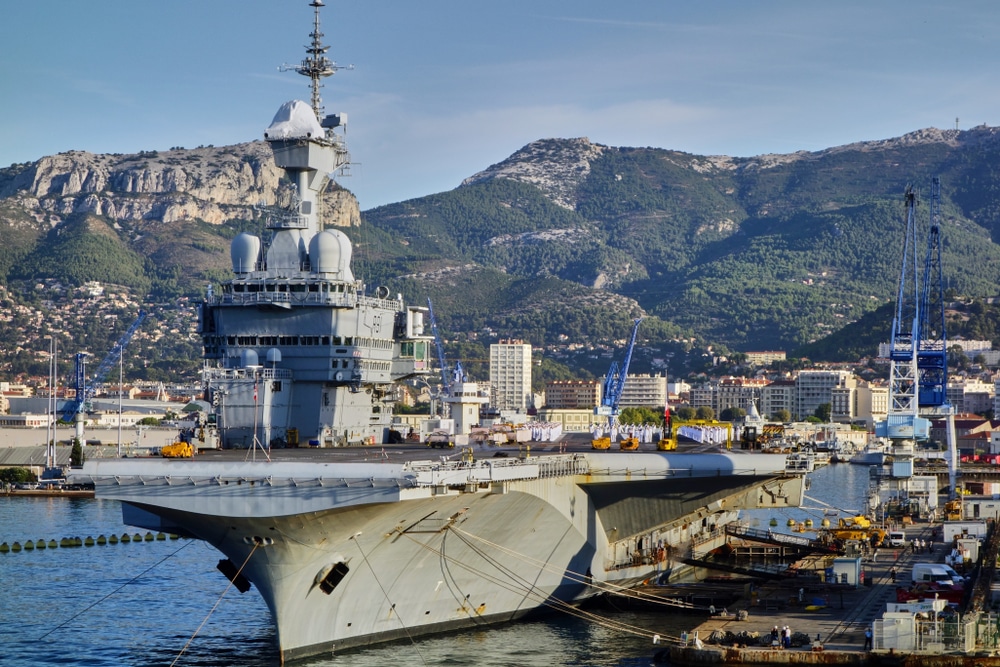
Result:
[{"x": 510, "y": 375}]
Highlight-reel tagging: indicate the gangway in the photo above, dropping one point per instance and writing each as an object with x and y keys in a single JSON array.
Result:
[
  {"x": 760, "y": 572},
  {"x": 783, "y": 539}
]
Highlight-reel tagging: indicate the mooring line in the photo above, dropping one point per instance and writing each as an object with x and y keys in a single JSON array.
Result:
[
  {"x": 127, "y": 583},
  {"x": 216, "y": 605}
]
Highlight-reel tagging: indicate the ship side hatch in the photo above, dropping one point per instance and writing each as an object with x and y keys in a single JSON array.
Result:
[{"x": 334, "y": 577}]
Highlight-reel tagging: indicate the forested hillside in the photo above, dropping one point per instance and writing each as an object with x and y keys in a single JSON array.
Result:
[{"x": 561, "y": 244}]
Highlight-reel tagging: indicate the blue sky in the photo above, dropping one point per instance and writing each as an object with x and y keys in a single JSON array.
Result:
[{"x": 445, "y": 88}]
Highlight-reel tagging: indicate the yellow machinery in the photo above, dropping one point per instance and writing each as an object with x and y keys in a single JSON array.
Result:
[
  {"x": 669, "y": 444},
  {"x": 629, "y": 444},
  {"x": 177, "y": 450},
  {"x": 858, "y": 528},
  {"x": 953, "y": 510},
  {"x": 601, "y": 443}
]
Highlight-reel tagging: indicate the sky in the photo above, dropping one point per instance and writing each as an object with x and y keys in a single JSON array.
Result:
[{"x": 442, "y": 89}]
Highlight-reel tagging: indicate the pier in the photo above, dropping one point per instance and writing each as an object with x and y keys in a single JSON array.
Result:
[{"x": 828, "y": 621}]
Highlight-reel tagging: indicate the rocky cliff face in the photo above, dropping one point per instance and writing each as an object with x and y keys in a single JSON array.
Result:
[
  {"x": 555, "y": 166},
  {"x": 215, "y": 185}
]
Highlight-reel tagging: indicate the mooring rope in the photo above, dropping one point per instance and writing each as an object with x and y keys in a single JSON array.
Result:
[
  {"x": 127, "y": 583},
  {"x": 385, "y": 593},
  {"x": 516, "y": 584},
  {"x": 216, "y": 605}
]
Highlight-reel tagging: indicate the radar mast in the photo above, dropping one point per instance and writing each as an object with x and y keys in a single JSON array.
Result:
[{"x": 316, "y": 65}]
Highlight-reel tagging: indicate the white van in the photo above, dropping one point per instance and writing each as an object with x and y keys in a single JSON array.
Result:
[
  {"x": 955, "y": 576},
  {"x": 933, "y": 572},
  {"x": 897, "y": 538}
]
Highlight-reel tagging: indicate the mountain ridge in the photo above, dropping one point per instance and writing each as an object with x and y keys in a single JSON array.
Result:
[{"x": 769, "y": 252}]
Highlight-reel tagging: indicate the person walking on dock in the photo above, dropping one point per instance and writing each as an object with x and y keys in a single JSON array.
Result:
[
  {"x": 868, "y": 638},
  {"x": 892, "y": 574}
]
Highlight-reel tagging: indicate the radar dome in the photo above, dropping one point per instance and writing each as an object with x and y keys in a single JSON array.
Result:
[
  {"x": 330, "y": 252},
  {"x": 294, "y": 120},
  {"x": 249, "y": 358},
  {"x": 245, "y": 252}
]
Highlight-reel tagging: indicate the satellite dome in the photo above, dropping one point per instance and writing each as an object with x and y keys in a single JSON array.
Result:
[
  {"x": 294, "y": 120},
  {"x": 245, "y": 252},
  {"x": 249, "y": 358},
  {"x": 330, "y": 253}
]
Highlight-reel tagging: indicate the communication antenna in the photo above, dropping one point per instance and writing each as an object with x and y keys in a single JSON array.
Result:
[{"x": 316, "y": 65}]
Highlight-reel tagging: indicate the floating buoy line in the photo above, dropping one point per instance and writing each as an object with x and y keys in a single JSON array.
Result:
[{"x": 70, "y": 542}]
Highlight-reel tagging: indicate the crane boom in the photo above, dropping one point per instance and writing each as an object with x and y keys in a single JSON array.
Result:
[
  {"x": 614, "y": 381},
  {"x": 445, "y": 375},
  {"x": 85, "y": 391}
]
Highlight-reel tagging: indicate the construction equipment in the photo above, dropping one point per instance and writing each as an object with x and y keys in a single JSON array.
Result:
[
  {"x": 84, "y": 390},
  {"x": 614, "y": 385},
  {"x": 858, "y": 528},
  {"x": 177, "y": 450},
  {"x": 629, "y": 444}
]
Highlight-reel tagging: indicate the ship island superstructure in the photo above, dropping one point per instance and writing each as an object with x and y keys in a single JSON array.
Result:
[
  {"x": 295, "y": 349},
  {"x": 354, "y": 545}
]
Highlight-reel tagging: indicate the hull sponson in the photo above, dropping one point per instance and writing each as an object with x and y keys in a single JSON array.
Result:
[{"x": 429, "y": 547}]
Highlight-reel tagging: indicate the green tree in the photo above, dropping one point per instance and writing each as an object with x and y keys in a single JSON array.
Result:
[
  {"x": 640, "y": 416},
  {"x": 732, "y": 414},
  {"x": 781, "y": 415},
  {"x": 76, "y": 457},
  {"x": 686, "y": 413},
  {"x": 16, "y": 475},
  {"x": 822, "y": 412},
  {"x": 706, "y": 413}
]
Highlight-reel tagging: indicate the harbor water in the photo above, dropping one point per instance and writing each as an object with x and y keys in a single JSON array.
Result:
[{"x": 163, "y": 602}]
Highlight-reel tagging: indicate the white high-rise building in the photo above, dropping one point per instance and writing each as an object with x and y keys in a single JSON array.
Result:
[{"x": 510, "y": 374}]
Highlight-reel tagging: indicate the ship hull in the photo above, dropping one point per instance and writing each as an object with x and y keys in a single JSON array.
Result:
[{"x": 450, "y": 548}]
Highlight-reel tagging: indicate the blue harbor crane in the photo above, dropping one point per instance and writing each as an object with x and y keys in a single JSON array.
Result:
[
  {"x": 918, "y": 362},
  {"x": 448, "y": 376},
  {"x": 614, "y": 381},
  {"x": 445, "y": 379},
  {"x": 932, "y": 351},
  {"x": 84, "y": 390},
  {"x": 903, "y": 421}
]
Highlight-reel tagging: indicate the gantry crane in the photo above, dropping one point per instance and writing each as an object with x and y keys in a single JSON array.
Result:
[
  {"x": 903, "y": 422},
  {"x": 932, "y": 350},
  {"x": 74, "y": 408}
]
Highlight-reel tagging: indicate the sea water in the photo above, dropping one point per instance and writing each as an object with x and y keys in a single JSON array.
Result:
[
  {"x": 154, "y": 602},
  {"x": 163, "y": 602}
]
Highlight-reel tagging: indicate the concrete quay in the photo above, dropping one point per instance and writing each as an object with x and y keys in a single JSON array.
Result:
[{"x": 837, "y": 627}]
